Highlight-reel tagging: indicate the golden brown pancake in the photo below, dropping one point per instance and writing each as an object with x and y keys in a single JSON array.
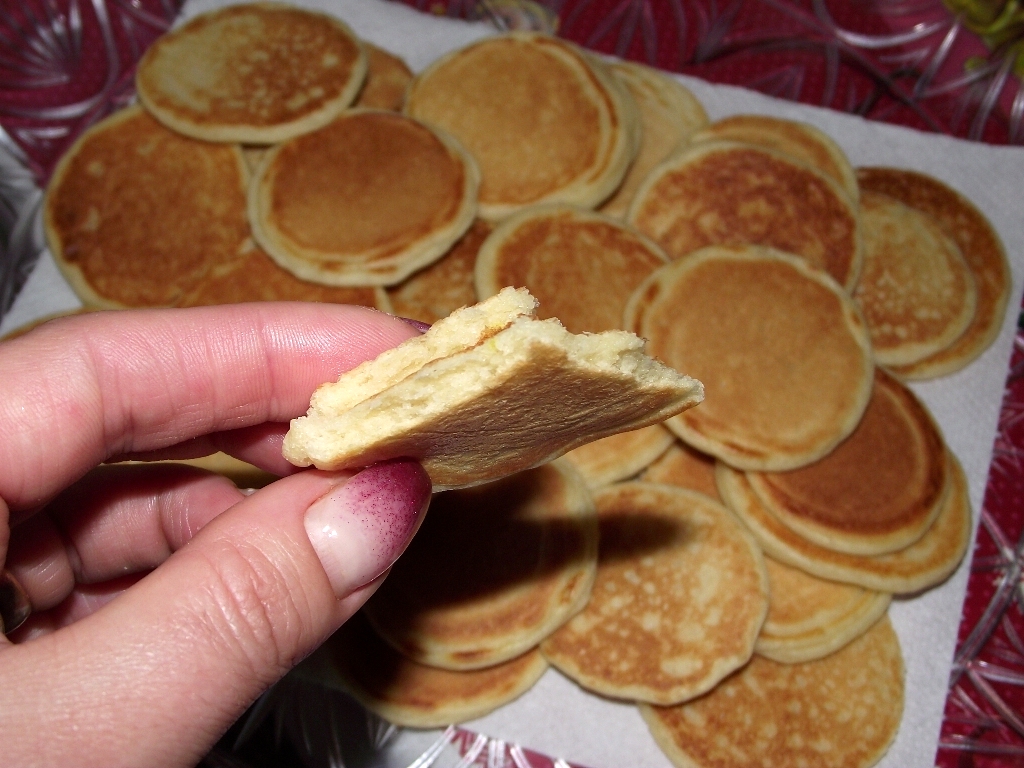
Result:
[
  {"x": 842, "y": 711},
  {"x": 254, "y": 276},
  {"x": 878, "y": 491},
  {"x": 680, "y": 595},
  {"x": 620, "y": 456},
  {"x": 669, "y": 115},
  {"x": 543, "y": 123},
  {"x": 916, "y": 290},
  {"x": 684, "y": 467},
  {"x": 253, "y": 155},
  {"x": 368, "y": 199},
  {"x": 387, "y": 78},
  {"x": 727, "y": 193},
  {"x": 800, "y": 140},
  {"x": 809, "y": 618},
  {"x": 779, "y": 345},
  {"x": 442, "y": 287},
  {"x": 926, "y": 562},
  {"x": 256, "y": 74},
  {"x": 493, "y": 570},
  {"x": 979, "y": 245},
  {"x": 136, "y": 215},
  {"x": 582, "y": 266},
  {"x": 414, "y": 695}
]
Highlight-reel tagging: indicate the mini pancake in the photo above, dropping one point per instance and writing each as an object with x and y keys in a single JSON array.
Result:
[
  {"x": 254, "y": 276},
  {"x": 620, "y": 456},
  {"x": 925, "y": 563},
  {"x": 773, "y": 339},
  {"x": 487, "y": 392},
  {"x": 878, "y": 491},
  {"x": 414, "y": 695},
  {"x": 799, "y": 140},
  {"x": 440, "y": 288},
  {"x": 255, "y": 74},
  {"x": 493, "y": 570},
  {"x": 548, "y": 248},
  {"x": 387, "y": 79},
  {"x": 136, "y": 215},
  {"x": 366, "y": 200},
  {"x": 916, "y": 290},
  {"x": 684, "y": 467},
  {"x": 727, "y": 193},
  {"x": 843, "y": 710},
  {"x": 810, "y": 618},
  {"x": 979, "y": 245},
  {"x": 543, "y": 123},
  {"x": 680, "y": 596},
  {"x": 669, "y": 115}
]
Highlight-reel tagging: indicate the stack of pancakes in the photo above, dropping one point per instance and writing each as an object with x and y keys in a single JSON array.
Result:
[{"x": 726, "y": 569}]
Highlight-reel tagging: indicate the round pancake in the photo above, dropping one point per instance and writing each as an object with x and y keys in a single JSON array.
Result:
[
  {"x": 493, "y": 570},
  {"x": 387, "y": 78},
  {"x": 136, "y": 215},
  {"x": 727, "y": 193},
  {"x": 799, "y": 140},
  {"x": 256, "y": 74},
  {"x": 414, "y": 695},
  {"x": 547, "y": 248},
  {"x": 254, "y": 276},
  {"x": 878, "y": 491},
  {"x": 916, "y": 290},
  {"x": 684, "y": 467},
  {"x": 366, "y": 200},
  {"x": 440, "y": 288},
  {"x": 669, "y": 115},
  {"x": 780, "y": 347},
  {"x": 979, "y": 245},
  {"x": 543, "y": 123},
  {"x": 680, "y": 595},
  {"x": 620, "y": 456},
  {"x": 810, "y": 618},
  {"x": 926, "y": 562},
  {"x": 843, "y": 710}
]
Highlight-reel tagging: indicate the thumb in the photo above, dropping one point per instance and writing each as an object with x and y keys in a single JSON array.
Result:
[{"x": 156, "y": 676}]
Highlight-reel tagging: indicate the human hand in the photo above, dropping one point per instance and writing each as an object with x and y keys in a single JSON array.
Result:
[{"x": 165, "y": 600}]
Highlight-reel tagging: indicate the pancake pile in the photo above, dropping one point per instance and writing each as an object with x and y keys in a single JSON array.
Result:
[{"x": 725, "y": 568}]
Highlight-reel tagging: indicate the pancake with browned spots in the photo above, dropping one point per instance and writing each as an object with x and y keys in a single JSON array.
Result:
[
  {"x": 790, "y": 137},
  {"x": 620, "y": 456},
  {"x": 684, "y": 467},
  {"x": 727, "y": 193},
  {"x": 442, "y": 287},
  {"x": 414, "y": 695},
  {"x": 366, "y": 200},
  {"x": 680, "y": 596},
  {"x": 842, "y": 711},
  {"x": 544, "y": 123},
  {"x": 494, "y": 570},
  {"x": 137, "y": 215},
  {"x": 257, "y": 73},
  {"x": 810, "y": 618},
  {"x": 878, "y": 491},
  {"x": 387, "y": 79},
  {"x": 779, "y": 345},
  {"x": 916, "y": 291},
  {"x": 547, "y": 249},
  {"x": 979, "y": 245},
  {"x": 926, "y": 562},
  {"x": 669, "y": 115}
]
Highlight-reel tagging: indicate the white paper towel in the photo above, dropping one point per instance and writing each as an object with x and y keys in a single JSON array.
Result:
[{"x": 557, "y": 717}]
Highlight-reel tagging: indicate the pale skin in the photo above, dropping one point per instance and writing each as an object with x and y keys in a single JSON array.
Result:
[{"x": 165, "y": 600}]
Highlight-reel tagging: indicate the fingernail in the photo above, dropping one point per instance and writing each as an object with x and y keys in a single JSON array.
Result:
[
  {"x": 359, "y": 529},
  {"x": 419, "y": 325}
]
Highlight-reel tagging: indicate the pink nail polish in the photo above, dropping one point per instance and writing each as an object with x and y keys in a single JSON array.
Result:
[{"x": 359, "y": 529}]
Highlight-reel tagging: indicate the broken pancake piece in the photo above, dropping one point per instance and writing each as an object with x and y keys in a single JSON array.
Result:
[{"x": 487, "y": 392}]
